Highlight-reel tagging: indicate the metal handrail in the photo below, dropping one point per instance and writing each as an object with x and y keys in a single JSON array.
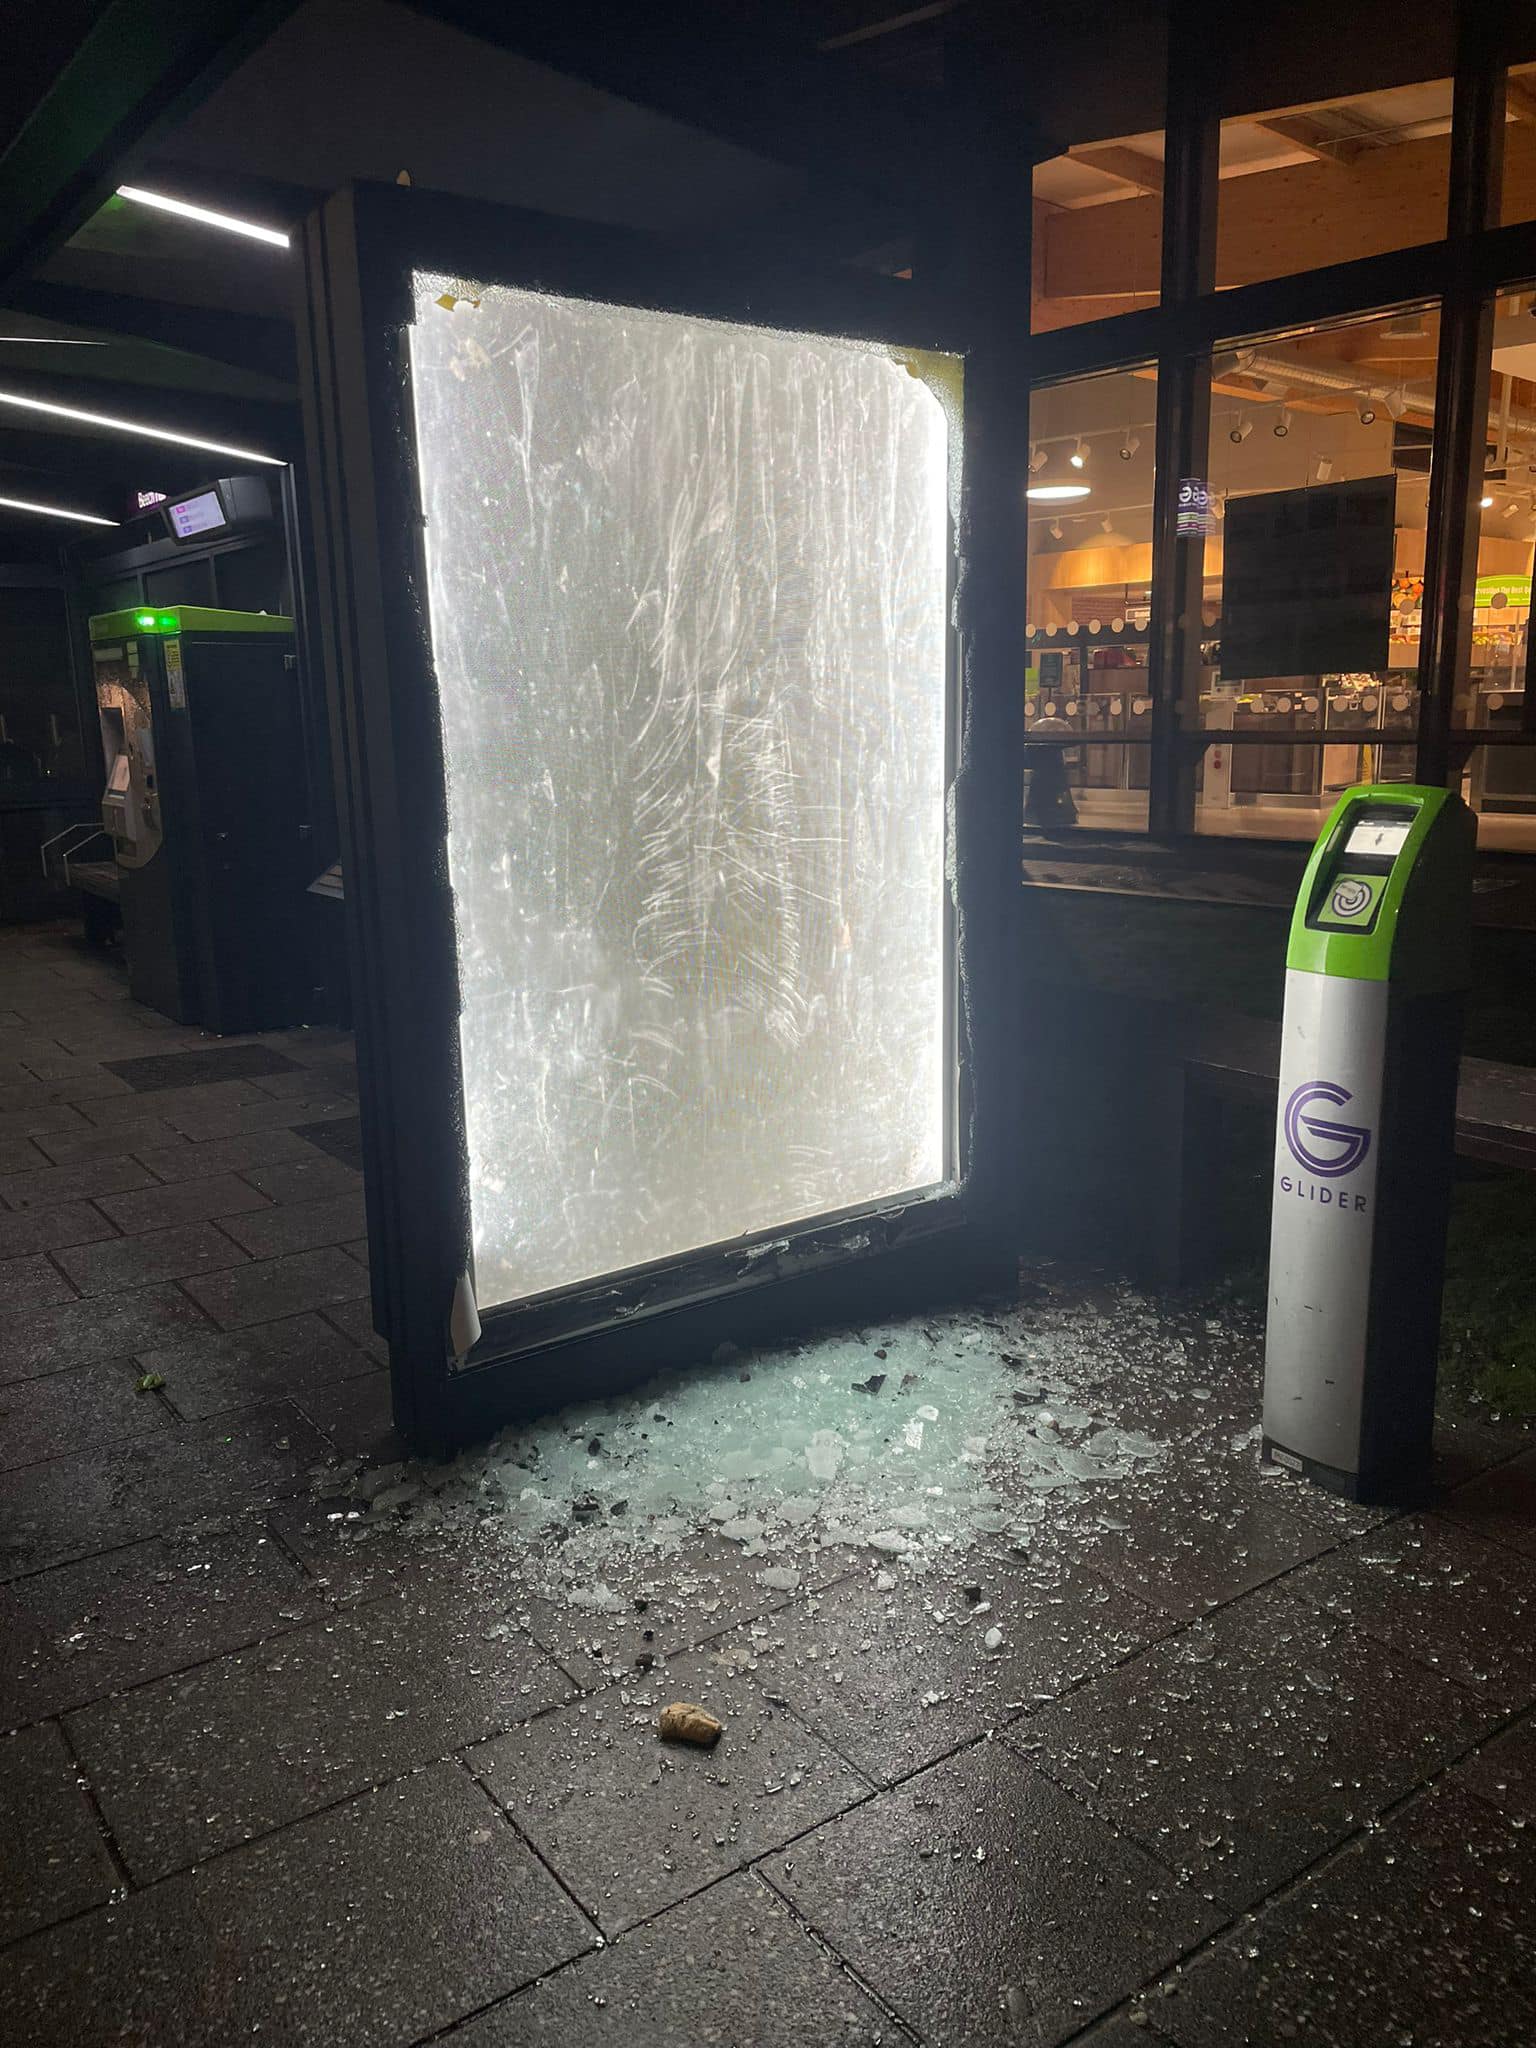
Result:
[{"x": 91, "y": 831}]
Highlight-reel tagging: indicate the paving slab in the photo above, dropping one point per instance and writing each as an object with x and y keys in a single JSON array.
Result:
[
  {"x": 1500, "y": 1504},
  {"x": 32, "y": 1281},
  {"x": 354, "y": 1319},
  {"x": 106, "y": 1623},
  {"x": 1246, "y": 1746},
  {"x": 39, "y": 1230},
  {"x": 93, "y": 1500},
  {"x": 333, "y": 1076},
  {"x": 299, "y": 1226},
  {"x": 55, "y": 1862},
  {"x": 1189, "y": 1541},
  {"x": 200, "y": 1761},
  {"x": 216, "y": 1120},
  {"x": 113, "y": 1264},
  {"x": 633, "y": 1824},
  {"x": 340, "y": 1136},
  {"x": 307, "y": 1178},
  {"x": 1504, "y": 1772},
  {"x": 216, "y": 1370},
  {"x": 45, "y": 1187},
  {"x": 21, "y": 1155},
  {"x": 355, "y": 1409},
  {"x": 1432, "y": 1590},
  {"x": 117, "y": 1110},
  {"x": 64, "y": 1411},
  {"x": 114, "y": 1326},
  {"x": 184, "y": 1161},
  {"x": 18, "y": 1120},
  {"x": 68, "y": 1148},
  {"x": 187, "y": 1201},
  {"x": 262, "y": 1290},
  {"x": 895, "y": 1672},
  {"x": 372, "y": 1925},
  {"x": 156, "y": 1073},
  {"x": 729, "y": 1966},
  {"x": 1424, "y": 1933},
  {"x": 987, "y": 1905}
]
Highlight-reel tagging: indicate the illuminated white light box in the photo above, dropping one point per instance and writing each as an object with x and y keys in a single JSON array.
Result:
[{"x": 689, "y": 613}]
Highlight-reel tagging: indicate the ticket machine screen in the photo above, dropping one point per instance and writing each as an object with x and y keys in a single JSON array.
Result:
[{"x": 1383, "y": 838}]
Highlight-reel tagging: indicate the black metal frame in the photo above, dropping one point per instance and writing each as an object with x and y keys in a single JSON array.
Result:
[
  {"x": 369, "y": 599},
  {"x": 1463, "y": 272}
]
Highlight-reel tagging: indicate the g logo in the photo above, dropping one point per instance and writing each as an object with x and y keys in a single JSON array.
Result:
[
  {"x": 1322, "y": 1146},
  {"x": 1350, "y": 898}
]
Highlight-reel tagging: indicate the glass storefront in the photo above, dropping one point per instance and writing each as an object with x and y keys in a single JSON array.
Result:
[
  {"x": 1334, "y": 583},
  {"x": 1320, "y": 451},
  {"x": 1090, "y": 579}
]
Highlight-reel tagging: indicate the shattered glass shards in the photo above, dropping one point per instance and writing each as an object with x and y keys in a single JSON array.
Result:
[{"x": 779, "y": 1463}]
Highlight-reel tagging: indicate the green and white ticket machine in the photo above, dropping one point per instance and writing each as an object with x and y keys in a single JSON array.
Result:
[{"x": 1375, "y": 986}]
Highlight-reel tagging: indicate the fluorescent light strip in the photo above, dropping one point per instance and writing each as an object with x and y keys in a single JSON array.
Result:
[
  {"x": 205, "y": 214},
  {"x": 54, "y": 512},
  {"x": 117, "y": 426}
]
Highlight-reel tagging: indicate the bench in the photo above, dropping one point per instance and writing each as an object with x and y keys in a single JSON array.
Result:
[{"x": 1199, "y": 1059}]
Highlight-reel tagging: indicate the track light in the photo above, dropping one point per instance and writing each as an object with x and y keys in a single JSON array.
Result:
[
  {"x": 1397, "y": 402},
  {"x": 1037, "y": 459},
  {"x": 1283, "y": 424},
  {"x": 1241, "y": 431},
  {"x": 54, "y": 512},
  {"x": 1484, "y": 502},
  {"x": 1367, "y": 414},
  {"x": 120, "y": 426},
  {"x": 1056, "y": 530},
  {"x": 1079, "y": 456},
  {"x": 1324, "y": 468},
  {"x": 205, "y": 216},
  {"x": 1129, "y": 445},
  {"x": 1108, "y": 524}
]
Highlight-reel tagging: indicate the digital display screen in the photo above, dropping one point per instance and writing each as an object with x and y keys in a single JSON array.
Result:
[
  {"x": 1382, "y": 837},
  {"x": 202, "y": 514}
]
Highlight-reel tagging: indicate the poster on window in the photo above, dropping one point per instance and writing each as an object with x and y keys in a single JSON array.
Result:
[{"x": 1307, "y": 580}]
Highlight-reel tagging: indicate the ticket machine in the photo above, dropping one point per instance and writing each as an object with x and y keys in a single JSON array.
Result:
[
  {"x": 1376, "y": 977},
  {"x": 203, "y": 752}
]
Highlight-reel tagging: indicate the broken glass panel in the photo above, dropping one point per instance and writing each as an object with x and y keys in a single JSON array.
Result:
[{"x": 688, "y": 597}]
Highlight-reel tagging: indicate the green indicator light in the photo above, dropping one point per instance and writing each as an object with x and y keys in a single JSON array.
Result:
[
  {"x": 145, "y": 619},
  {"x": 168, "y": 622}
]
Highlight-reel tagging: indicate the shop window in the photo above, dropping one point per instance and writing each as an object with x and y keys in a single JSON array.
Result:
[
  {"x": 1098, "y": 209},
  {"x": 1518, "y": 199},
  {"x": 1491, "y": 694},
  {"x": 1307, "y": 671},
  {"x": 1332, "y": 180},
  {"x": 1088, "y": 704}
]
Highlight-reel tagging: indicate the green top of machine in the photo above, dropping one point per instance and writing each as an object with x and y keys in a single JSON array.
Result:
[
  {"x": 1386, "y": 891},
  {"x": 182, "y": 618}
]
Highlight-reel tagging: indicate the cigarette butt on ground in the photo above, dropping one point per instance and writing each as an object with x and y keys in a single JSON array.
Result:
[{"x": 682, "y": 1722}]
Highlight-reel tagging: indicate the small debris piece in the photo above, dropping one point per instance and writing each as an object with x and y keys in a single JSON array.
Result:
[
  {"x": 151, "y": 1383},
  {"x": 872, "y": 1385},
  {"x": 993, "y": 1639},
  {"x": 586, "y": 1504},
  {"x": 972, "y": 1594},
  {"x": 683, "y": 1722},
  {"x": 880, "y": 1352},
  {"x": 645, "y": 1660}
]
